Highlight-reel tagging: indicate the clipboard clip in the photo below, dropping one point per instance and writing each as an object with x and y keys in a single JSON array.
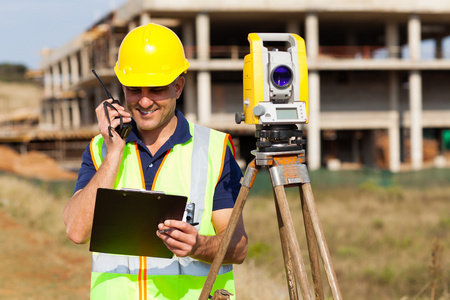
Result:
[
  {"x": 143, "y": 191},
  {"x": 189, "y": 212}
]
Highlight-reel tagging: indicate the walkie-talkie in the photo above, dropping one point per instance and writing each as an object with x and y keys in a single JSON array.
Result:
[{"x": 123, "y": 129}]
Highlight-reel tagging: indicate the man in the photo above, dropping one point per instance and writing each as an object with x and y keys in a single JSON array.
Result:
[{"x": 164, "y": 152}]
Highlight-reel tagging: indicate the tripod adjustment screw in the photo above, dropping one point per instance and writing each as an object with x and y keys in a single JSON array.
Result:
[{"x": 239, "y": 117}]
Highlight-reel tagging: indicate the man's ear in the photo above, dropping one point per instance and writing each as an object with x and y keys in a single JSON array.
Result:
[{"x": 179, "y": 85}]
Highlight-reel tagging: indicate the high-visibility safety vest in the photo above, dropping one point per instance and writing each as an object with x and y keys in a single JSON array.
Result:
[{"x": 191, "y": 169}]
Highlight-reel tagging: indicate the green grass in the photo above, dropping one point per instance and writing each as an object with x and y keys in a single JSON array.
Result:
[
  {"x": 37, "y": 204},
  {"x": 380, "y": 228}
]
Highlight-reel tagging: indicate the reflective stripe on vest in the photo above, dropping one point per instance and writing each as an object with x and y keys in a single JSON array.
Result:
[
  {"x": 205, "y": 151},
  {"x": 155, "y": 266}
]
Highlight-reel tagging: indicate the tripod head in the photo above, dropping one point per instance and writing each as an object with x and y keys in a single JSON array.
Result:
[{"x": 276, "y": 138}]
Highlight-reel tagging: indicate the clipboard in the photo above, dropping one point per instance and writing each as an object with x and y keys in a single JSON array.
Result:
[{"x": 126, "y": 221}]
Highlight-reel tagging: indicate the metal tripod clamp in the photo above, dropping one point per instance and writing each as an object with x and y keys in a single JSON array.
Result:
[{"x": 286, "y": 175}]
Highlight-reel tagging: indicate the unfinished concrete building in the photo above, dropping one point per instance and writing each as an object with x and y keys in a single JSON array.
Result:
[{"x": 378, "y": 73}]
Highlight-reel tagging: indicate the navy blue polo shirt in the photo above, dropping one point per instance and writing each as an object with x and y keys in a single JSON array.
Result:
[{"x": 226, "y": 190}]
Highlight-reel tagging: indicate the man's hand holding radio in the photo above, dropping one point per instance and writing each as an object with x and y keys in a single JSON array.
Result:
[{"x": 104, "y": 124}]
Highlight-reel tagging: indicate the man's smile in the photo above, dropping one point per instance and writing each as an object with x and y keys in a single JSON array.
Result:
[{"x": 146, "y": 112}]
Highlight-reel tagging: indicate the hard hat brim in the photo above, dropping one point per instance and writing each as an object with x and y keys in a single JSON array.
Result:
[{"x": 149, "y": 79}]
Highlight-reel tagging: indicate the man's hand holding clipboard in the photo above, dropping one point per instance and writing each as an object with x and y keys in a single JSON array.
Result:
[{"x": 125, "y": 222}]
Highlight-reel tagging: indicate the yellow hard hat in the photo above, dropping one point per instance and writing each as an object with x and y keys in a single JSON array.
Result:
[{"x": 150, "y": 55}]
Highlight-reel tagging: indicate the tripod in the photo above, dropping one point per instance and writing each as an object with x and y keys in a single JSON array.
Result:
[{"x": 286, "y": 169}]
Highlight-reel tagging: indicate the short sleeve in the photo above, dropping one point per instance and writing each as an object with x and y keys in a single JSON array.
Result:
[
  {"x": 228, "y": 186},
  {"x": 86, "y": 171}
]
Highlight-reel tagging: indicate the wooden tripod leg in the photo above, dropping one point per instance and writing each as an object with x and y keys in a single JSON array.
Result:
[
  {"x": 312, "y": 250},
  {"x": 249, "y": 178},
  {"x": 320, "y": 237},
  {"x": 292, "y": 284},
  {"x": 294, "y": 248}
]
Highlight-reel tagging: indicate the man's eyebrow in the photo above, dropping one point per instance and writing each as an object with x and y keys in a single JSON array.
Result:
[
  {"x": 150, "y": 87},
  {"x": 158, "y": 87}
]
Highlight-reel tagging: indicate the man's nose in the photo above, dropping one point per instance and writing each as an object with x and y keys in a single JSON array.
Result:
[{"x": 146, "y": 99}]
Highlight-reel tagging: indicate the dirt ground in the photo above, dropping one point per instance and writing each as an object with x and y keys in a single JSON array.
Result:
[
  {"x": 35, "y": 265},
  {"x": 32, "y": 165}
]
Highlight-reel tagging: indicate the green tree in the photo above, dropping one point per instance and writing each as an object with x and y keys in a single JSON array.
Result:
[{"x": 12, "y": 72}]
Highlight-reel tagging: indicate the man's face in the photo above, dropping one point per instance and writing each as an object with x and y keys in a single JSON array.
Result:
[{"x": 153, "y": 107}]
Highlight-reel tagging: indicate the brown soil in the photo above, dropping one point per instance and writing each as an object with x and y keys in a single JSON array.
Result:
[
  {"x": 33, "y": 164},
  {"x": 36, "y": 265}
]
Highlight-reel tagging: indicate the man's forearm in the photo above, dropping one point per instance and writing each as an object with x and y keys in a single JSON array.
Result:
[
  {"x": 79, "y": 211},
  {"x": 208, "y": 246}
]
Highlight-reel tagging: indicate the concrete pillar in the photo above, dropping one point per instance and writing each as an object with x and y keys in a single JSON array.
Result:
[
  {"x": 204, "y": 96},
  {"x": 65, "y": 74},
  {"x": 65, "y": 113},
  {"x": 187, "y": 36},
  {"x": 392, "y": 40},
  {"x": 312, "y": 36},
  {"x": 202, "y": 32},
  {"x": 48, "y": 82},
  {"x": 113, "y": 49},
  {"x": 74, "y": 69},
  {"x": 414, "y": 37},
  {"x": 56, "y": 106},
  {"x": 76, "y": 118},
  {"x": 415, "y": 93},
  {"x": 190, "y": 110},
  {"x": 313, "y": 153},
  {"x": 56, "y": 79},
  {"x": 85, "y": 61},
  {"x": 145, "y": 18},
  {"x": 415, "y": 107},
  {"x": 312, "y": 50},
  {"x": 203, "y": 77},
  {"x": 188, "y": 39},
  {"x": 47, "y": 112},
  {"x": 394, "y": 127}
]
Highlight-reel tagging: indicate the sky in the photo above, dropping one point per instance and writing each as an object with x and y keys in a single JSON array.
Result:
[{"x": 28, "y": 26}]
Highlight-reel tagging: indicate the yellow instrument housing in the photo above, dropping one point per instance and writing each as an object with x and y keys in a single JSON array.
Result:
[{"x": 256, "y": 74}]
